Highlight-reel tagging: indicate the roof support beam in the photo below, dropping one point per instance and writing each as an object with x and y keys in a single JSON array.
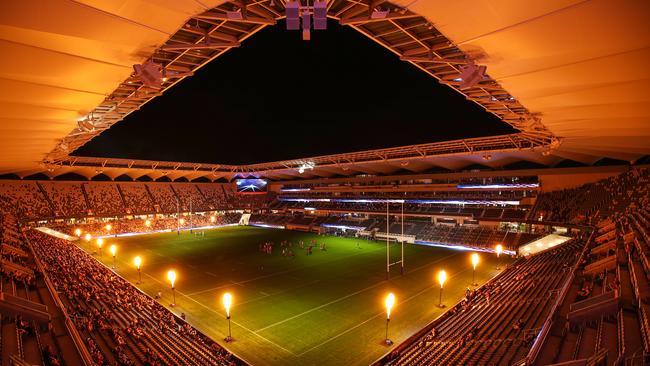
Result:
[
  {"x": 245, "y": 19},
  {"x": 435, "y": 60},
  {"x": 363, "y": 20},
  {"x": 199, "y": 46}
]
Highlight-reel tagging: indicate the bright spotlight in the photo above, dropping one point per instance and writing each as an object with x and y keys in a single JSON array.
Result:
[
  {"x": 389, "y": 302},
  {"x": 474, "y": 264},
  {"x": 109, "y": 227},
  {"x": 77, "y": 232},
  {"x": 499, "y": 250},
  {"x": 138, "y": 262},
  {"x": 475, "y": 260},
  {"x": 113, "y": 250},
  {"x": 227, "y": 301},
  {"x": 100, "y": 242},
  {"x": 171, "y": 276},
  {"x": 88, "y": 237},
  {"x": 442, "y": 277},
  {"x": 147, "y": 223}
]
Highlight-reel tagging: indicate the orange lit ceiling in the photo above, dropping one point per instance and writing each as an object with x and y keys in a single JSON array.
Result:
[{"x": 572, "y": 70}]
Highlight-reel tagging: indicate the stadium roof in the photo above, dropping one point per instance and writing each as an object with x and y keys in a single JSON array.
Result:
[{"x": 572, "y": 76}]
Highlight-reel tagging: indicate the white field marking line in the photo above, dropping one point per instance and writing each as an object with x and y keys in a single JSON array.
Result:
[
  {"x": 381, "y": 283},
  {"x": 275, "y": 274},
  {"x": 373, "y": 317},
  {"x": 234, "y": 322}
]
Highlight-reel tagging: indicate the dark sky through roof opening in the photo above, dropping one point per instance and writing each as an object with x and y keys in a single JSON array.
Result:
[{"x": 278, "y": 97}]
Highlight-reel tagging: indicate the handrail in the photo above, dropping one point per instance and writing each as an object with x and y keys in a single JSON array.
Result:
[
  {"x": 546, "y": 327},
  {"x": 599, "y": 356},
  {"x": 72, "y": 330},
  {"x": 240, "y": 359}
]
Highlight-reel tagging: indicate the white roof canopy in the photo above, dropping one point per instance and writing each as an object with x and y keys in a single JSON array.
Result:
[{"x": 581, "y": 67}]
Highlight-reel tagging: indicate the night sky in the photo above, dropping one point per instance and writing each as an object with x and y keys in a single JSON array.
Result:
[{"x": 278, "y": 97}]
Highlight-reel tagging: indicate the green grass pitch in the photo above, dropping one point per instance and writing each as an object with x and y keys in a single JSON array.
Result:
[{"x": 323, "y": 309}]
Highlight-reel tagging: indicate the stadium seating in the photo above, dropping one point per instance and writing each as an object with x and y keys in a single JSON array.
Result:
[
  {"x": 120, "y": 325},
  {"x": 24, "y": 199},
  {"x": 584, "y": 301},
  {"x": 104, "y": 198},
  {"x": 138, "y": 225},
  {"x": 34, "y": 326},
  {"x": 423, "y": 230},
  {"x": 494, "y": 325},
  {"x": 594, "y": 201},
  {"x": 62, "y": 199},
  {"x": 137, "y": 198}
]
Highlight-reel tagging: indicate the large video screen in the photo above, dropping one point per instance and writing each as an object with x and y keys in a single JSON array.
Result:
[{"x": 251, "y": 185}]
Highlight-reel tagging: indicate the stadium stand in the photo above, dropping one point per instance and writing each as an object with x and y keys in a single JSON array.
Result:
[
  {"x": 24, "y": 199},
  {"x": 604, "y": 317},
  {"x": 495, "y": 324},
  {"x": 62, "y": 199},
  {"x": 566, "y": 80},
  {"x": 67, "y": 198},
  {"x": 104, "y": 198},
  {"x": 35, "y": 327},
  {"x": 120, "y": 324},
  {"x": 592, "y": 201},
  {"x": 136, "y": 197},
  {"x": 138, "y": 225},
  {"x": 593, "y": 309}
]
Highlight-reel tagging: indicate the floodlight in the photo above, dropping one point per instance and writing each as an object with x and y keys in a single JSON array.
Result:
[
  {"x": 113, "y": 250},
  {"x": 320, "y": 15},
  {"x": 471, "y": 75},
  {"x": 227, "y": 302},
  {"x": 474, "y": 264},
  {"x": 499, "y": 250},
  {"x": 442, "y": 277},
  {"x": 149, "y": 73},
  {"x": 475, "y": 260},
  {"x": 293, "y": 15},
  {"x": 378, "y": 13},
  {"x": 171, "y": 276},
  {"x": 389, "y": 302},
  {"x": 138, "y": 262},
  {"x": 234, "y": 15}
]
